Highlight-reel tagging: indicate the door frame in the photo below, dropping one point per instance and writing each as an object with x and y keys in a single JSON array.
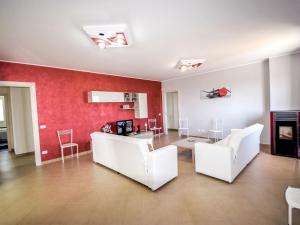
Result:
[
  {"x": 34, "y": 114},
  {"x": 165, "y": 111}
]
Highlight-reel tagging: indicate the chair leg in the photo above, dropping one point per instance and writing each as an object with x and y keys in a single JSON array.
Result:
[
  {"x": 77, "y": 151},
  {"x": 62, "y": 154},
  {"x": 72, "y": 151},
  {"x": 290, "y": 215}
]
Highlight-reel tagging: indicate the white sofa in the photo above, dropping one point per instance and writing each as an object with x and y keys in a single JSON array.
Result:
[
  {"x": 131, "y": 157},
  {"x": 227, "y": 158}
]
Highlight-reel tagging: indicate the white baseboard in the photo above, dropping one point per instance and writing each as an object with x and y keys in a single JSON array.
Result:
[{"x": 66, "y": 157}]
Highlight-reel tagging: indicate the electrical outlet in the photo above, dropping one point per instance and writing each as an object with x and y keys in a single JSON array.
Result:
[
  {"x": 44, "y": 152},
  {"x": 42, "y": 126}
]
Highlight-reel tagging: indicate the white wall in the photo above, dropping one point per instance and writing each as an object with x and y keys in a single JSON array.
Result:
[
  {"x": 21, "y": 120},
  {"x": 248, "y": 104},
  {"x": 285, "y": 82}
]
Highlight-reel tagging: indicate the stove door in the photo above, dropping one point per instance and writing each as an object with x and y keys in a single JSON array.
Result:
[{"x": 286, "y": 138}]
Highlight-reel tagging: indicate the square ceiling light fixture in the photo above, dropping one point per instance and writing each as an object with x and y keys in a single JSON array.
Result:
[
  {"x": 186, "y": 64},
  {"x": 109, "y": 36}
]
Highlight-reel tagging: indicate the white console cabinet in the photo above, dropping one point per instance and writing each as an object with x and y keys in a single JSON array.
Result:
[
  {"x": 141, "y": 106},
  {"x": 105, "y": 96}
]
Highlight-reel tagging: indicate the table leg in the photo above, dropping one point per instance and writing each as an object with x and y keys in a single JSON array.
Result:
[{"x": 193, "y": 155}]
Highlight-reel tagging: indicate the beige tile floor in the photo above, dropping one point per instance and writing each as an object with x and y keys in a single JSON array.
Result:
[{"x": 81, "y": 192}]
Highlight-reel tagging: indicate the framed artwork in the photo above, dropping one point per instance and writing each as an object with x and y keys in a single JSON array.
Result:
[{"x": 215, "y": 93}]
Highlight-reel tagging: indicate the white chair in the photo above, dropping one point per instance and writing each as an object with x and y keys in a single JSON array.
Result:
[
  {"x": 292, "y": 196},
  {"x": 216, "y": 131},
  {"x": 153, "y": 127},
  {"x": 183, "y": 127},
  {"x": 68, "y": 144}
]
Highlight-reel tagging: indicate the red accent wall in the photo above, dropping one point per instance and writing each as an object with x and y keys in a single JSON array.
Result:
[{"x": 62, "y": 101}]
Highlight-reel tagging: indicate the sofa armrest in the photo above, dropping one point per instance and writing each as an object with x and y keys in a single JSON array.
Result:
[
  {"x": 235, "y": 130},
  {"x": 162, "y": 166},
  {"x": 214, "y": 160}
]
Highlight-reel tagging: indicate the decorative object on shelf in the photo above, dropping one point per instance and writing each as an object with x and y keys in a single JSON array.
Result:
[
  {"x": 126, "y": 106},
  {"x": 107, "y": 128},
  {"x": 130, "y": 97},
  {"x": 138, "y": 129},
  {"x": 215, "y": 93}
]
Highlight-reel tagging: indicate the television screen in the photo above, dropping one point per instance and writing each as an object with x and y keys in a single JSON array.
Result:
[{"x": 124, "y": 127}]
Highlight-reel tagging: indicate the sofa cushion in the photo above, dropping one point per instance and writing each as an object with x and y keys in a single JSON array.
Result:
[
  {"x": 236, "y": 137},
  {"x": 235, "y": 141},
  {"x": 224, "y": 142},
  {"x": 150, "y": 147}
]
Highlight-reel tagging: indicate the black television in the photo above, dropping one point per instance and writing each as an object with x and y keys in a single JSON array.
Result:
[{"x": 124, "y": 127}]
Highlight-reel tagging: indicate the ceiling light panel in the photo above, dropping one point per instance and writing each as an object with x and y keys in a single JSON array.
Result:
[
  {"x": 186, "y": 64},
  {"x": 109, "y": 36}
]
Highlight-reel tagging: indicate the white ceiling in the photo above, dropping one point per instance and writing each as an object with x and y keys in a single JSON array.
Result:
[{"x": 225, "y": 32}]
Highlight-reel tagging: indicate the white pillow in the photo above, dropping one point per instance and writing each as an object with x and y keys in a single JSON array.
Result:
[
  {"x": 235, "y": 140},
  {"x": 225, "y": 141}
]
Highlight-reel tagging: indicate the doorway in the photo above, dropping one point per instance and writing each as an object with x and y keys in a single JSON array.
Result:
[
  {"x": 16, "y": 130},
  {"x": 20, "y": 123},
  {"x": 172, "y": 110},
  {"x": 3, "y": 122}
]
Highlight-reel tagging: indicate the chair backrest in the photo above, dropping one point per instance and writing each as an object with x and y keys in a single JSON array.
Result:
[
  {"x": 152, "y": 123},
  {"x": 217, "y": 124},
  {"x": 62, "y": 134},
  {"x": 183, "y": 123}
]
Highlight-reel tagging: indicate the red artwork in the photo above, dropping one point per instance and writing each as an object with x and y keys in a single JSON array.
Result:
[{"x": 216, "y": 93}]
